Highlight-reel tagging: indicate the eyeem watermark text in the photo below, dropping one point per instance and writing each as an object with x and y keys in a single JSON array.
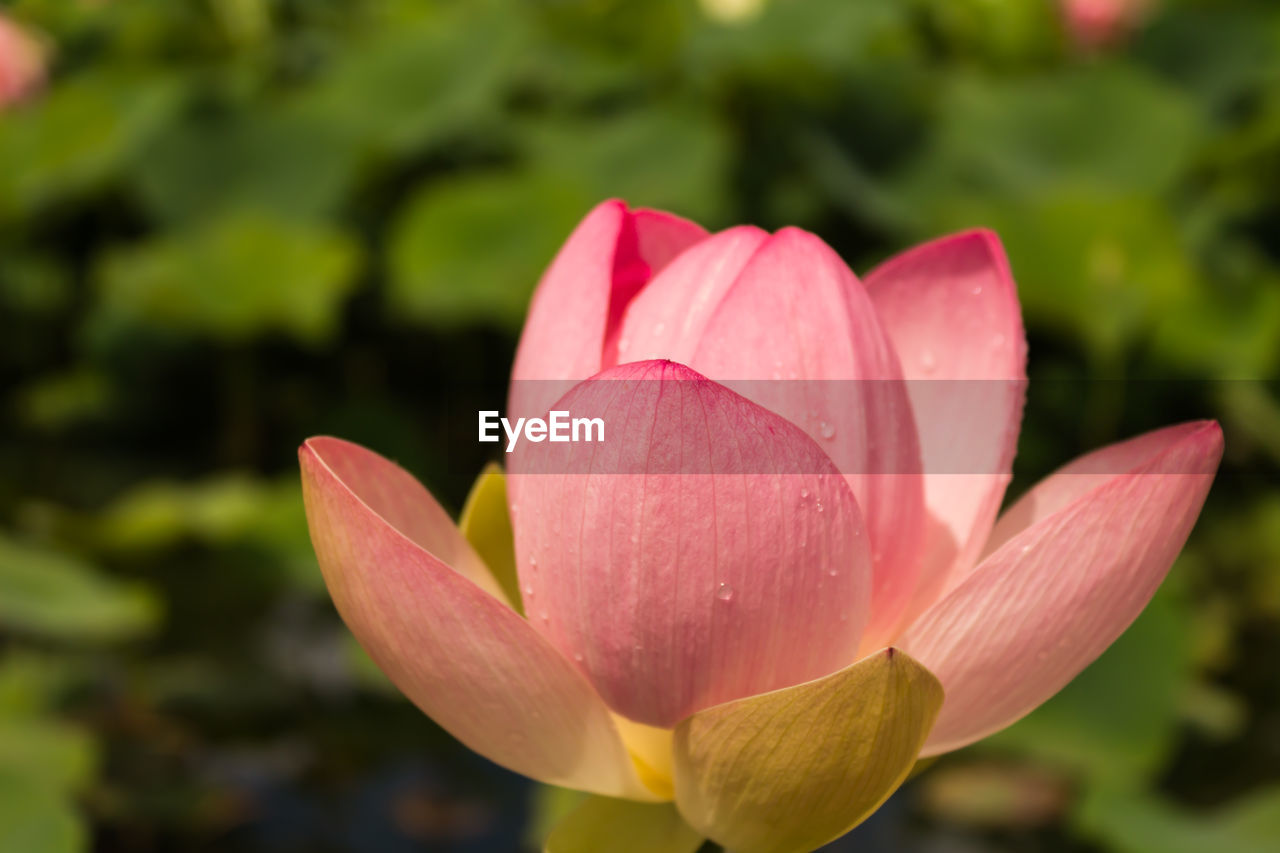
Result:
[{"x": 558, "y": 426}]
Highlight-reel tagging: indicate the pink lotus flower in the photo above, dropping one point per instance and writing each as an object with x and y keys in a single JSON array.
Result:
[
  {"x": 22, "y": 62},
  {"x": 763, "y": 606}
]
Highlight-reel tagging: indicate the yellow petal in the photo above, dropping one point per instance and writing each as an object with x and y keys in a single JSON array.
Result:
[
  {"x": 487, "y": 527},
  {"x": 622, "y": 826},
  {"x": 788, "y": 771}
]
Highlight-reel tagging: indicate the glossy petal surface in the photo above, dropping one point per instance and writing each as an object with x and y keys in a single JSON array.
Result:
[
  {"x": 609, "y": 257},
  {"x": 402, "y": 579},
  {"x": 1051, "y": 598},
  {"x": 951, "y": 310},
  {"x": 788, "y": 771},
  {"x": 707, "y": 550},
  {"x": 781, "y": 320}
]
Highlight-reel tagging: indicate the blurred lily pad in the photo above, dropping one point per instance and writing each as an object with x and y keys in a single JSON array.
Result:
[
  {"x": 1145, "y": 823},
  {"x": 225, "y": 510},
  {"x": 242, "y": 275},
  {"x": 51, "y": 594},
  {"x": 74, "y": 140},
  {"x": 470, "y": 249},
  {"x": 35, "y": 820},
  {"x": 285, "y": 162},
  {"x": 1102, "y": 127},
  {"x": 667, "y": 157}
]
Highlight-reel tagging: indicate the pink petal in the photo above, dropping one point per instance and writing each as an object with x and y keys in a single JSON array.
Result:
[
  {"x": 669, "y": 317},
  {"x": 756, "y": 312},
  {"x": 408, "y": 586},
  {"x": 609, "y": 257},
  {"x": 707, "y": 550},
  {"x": 1051, "y": 599},
  {"x": 951, "y": 310}
]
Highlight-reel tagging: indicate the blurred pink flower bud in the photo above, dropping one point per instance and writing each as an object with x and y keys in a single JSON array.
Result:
[
  {"x": 22, "y": 62},
  {"x": 1096, "y": 23}
]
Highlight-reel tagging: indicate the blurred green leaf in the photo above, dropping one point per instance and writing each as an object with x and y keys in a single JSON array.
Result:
[
  {"x": 239, "y": 276},
  {"x": 77, "y": 138},
  {"x": 34, "y": 820},
  {"x": 470, "y": 249},
  {"x": 56, "y": 402},
  {"x": 284, "y": 162},
  {"x": 423, "y": 76},
  {"x": 665, "y": 156},
  {"x": 1102, "y": 128},
  {"x": 1145, "y": 823},
  {"x": 225, "y": 510},
  {"x": 47, "y": 593},
  {"x": 52, "y": 756}
]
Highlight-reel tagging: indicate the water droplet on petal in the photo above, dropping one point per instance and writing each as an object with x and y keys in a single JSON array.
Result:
[
  {"x": 544, "y": 616},
  {"x": 977, "y": 289},
  {"x": 928, "y": 361},
  {"x": 528, "y": 590},
  {"x": 804, "y": 493},
  {"x": 577, "y": 656},
  {"x": 826, "y": 430},
  {"x": 835, "y": 573},
  {"x": 724, "y": 592},
  {"x": 659, "y": 328},
  {"x": 997, "y": 341},
  {"x": 819, "y": 506}
]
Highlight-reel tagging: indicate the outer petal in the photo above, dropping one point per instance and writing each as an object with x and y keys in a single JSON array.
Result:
[
  {"x": 620, "y": 826},
  {"x": 707, "y": 550},
  {"x": 951, "y": 310},
  {"x": 787, "y": 308},
  {"x": 1049, "y": 600},
  {"x": 609, "y": 257},
  {"x": 791, "y": 770},
  {"x": 462, "y": 655}
]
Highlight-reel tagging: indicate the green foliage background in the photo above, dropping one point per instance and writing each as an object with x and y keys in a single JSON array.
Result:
[{"x": 229, "y": 224}]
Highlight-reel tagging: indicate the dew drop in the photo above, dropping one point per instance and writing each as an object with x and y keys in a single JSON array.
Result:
[
  {"x": 977, "y": 289},
  {"x": 826, "y": 430},
  {"x": 804, "y": 493},
  {"x": 528, "y": 590},
  {"x": 997, "y": 341},
  {"x": 544, "y": 616},
  {"x": 818, "y": 506},
  {"x": 577, "y": 656},
  {"x": 928, "y": 361},
  {"x": 533, "y": 562},
  {"x": 835, "y": 573},
  {"x": 659, "y": 328},
  {"x": 1026, "y": 548},
  {"x": 725, "y": 592}
]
